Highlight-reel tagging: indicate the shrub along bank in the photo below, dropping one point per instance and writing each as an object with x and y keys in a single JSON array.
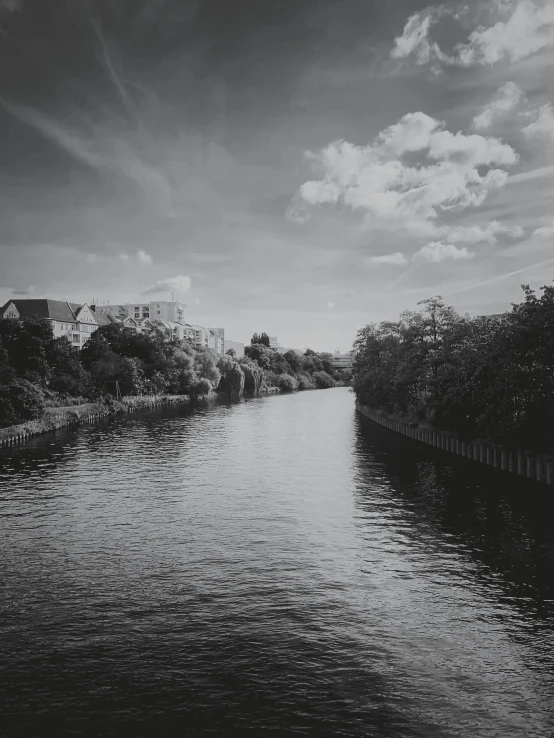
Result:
[{"x": 38, "y": 371}]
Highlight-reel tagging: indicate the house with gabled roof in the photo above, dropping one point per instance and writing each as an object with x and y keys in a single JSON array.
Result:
[{"x": 76, "y": 322}]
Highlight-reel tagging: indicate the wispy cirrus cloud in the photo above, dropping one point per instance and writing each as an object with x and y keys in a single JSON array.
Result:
[{"x": 101, "y": 149}]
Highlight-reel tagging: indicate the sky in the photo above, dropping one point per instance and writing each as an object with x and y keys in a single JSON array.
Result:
[{"x": 299, "y": 168}]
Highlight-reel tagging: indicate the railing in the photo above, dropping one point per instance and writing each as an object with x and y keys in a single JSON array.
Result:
[{"x": 538, "y": 467}]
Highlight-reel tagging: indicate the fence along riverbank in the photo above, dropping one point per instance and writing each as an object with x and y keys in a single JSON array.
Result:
[{"x": 538, "y": 467}]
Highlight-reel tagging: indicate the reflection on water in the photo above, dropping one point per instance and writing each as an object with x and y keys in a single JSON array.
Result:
[{"x": 279, "y": 566}]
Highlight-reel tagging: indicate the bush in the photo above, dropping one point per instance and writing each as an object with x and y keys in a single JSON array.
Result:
[
  {"x": 286, "y": 383},
  {"x": 201, "y": 388},
  {"x": 305, "y": 382},
  {"x": 20, "y": 400},
  {"x": 323, "y": 380}
]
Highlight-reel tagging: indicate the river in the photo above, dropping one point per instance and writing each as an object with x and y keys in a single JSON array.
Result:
[{"x": 279, "y": 566}]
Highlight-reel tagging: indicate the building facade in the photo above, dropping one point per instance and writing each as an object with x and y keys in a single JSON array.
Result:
[
  {"x": 342, "y": 361},
  {"x": 172, "y": 312},
  {"x": 76, "y": 322}
]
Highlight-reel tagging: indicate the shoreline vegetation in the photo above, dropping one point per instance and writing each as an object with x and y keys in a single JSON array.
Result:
[
  {"x": 55, "y": 418},
  {"x": 485, "y": 381},
  {"x": 46, "y": 384}
]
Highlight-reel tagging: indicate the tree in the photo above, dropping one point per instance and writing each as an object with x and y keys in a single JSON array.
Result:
[
  {"x": 293, "y": 360},
  {"x": 19, "y": 401},
  {"x": 263, "y": 339},
  {"x": 231, "y": 352}
]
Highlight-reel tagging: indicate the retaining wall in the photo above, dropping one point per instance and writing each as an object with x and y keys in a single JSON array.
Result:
[
  {"x": 56, "y": 418},
  {"x": 537, "y": 467}
]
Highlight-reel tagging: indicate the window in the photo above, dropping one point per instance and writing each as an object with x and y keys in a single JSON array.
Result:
[
  {"x": 159, "y": 312},
  {"x": 75, "y": 338}
]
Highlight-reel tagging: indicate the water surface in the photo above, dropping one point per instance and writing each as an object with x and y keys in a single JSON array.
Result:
[{"x": 275, "y": 567}]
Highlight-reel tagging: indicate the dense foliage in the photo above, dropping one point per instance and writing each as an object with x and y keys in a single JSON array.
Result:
[
  {"x": 291, "y": 371},
  {"x": 263, "y": 338},
  {"x": 37, "y": 369},
  {"x": 486, "y": 377}
]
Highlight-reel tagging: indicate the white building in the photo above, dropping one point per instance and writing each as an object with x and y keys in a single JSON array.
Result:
[
  {"x": 76, "y": 322},
  {"x": 342, "y": 361},
  {"x": 173, "y": 312}
]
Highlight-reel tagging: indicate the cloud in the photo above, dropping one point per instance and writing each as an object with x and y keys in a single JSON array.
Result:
[
  {"x": 101, "y": 149},
  {"x": 523, "y": 29},
  {"x": 544, "y": 231},
  {"x": 172, "y": 284},
  {"x": 436, "y": 251},
  {"x": 506, "y": 99},
  {"x": 91, "y": 259},
  {"x": 528, "y": 28},
  {"x": 25, "y": 292},
  {"x": 330, "y": 304},
  {"x": 392, "y": 193},
  {"x": 398, "y": 259},
  {"x": 538, "y": 173},
  {"x": 144, "y": 258},
  {"x": 477, "y": 234},
  {"x": 124, "y": 257},
  {"x": 543, "y": 126},
  {"x": 415, "y": 37}
]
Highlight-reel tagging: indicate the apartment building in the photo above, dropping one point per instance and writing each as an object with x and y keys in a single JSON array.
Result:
[
  {"x": 76, "y": 322},
  {"x": 172, "y": 312}
]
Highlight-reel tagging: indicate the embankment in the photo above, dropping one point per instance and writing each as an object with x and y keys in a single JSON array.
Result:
[
  {"x": 538, "y": 467},
  {"x": 61, "y": 417}
]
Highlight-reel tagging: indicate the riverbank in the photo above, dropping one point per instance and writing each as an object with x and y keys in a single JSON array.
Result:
[
  {"x": 537, "y": 467},
  {"x": 61, "y": 417}
]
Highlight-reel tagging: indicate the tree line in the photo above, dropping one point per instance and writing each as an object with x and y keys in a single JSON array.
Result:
[
  {"x": 487, "y": 377},
  {"x": 38, "y": 370}
]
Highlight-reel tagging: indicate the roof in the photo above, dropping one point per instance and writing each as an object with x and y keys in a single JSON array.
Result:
[
  {"x": 105, "y": 318},
  {"x": 50, "y": 309}
]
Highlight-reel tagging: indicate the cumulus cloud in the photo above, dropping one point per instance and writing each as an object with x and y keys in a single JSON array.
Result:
[
  {"x": 545, "y": 231},
  {"x": 523, "y": 28},
  {"x": 172, "y": 284},
  {"x": 477, "y": 234},
  {"x": 389, "y": 192},
  {"x": 505, "y": 100},
  {"x": 144, "y": 258},
  {"x": 543, "y": 126},
  {"x": 91, "y": 259},
  {"x": 415, "y": 36},
  {"x": 436, "y": 251},
  {"x": 397, "y": 258},
  {"x": 528, "y": 28},
  {"x": 124, "y": 257}
]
